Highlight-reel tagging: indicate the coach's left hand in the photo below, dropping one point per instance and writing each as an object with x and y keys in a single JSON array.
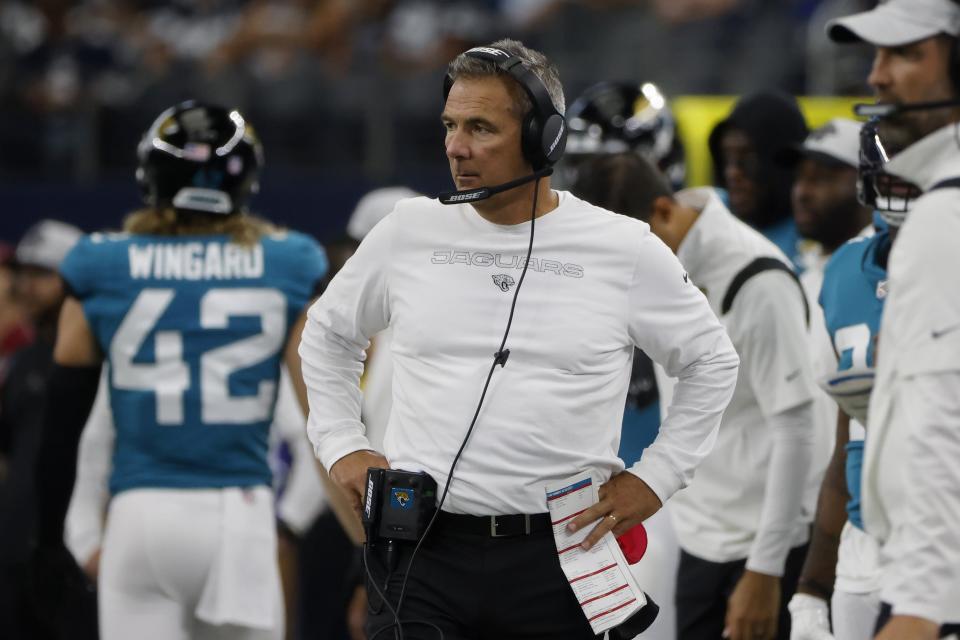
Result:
[{"x": 625, "y": 501}]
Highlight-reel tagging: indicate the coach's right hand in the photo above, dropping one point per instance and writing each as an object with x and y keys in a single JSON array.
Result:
[{"x": 350, "y": 474}]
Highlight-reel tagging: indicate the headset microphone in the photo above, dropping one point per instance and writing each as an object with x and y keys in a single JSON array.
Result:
[
  {"x": 888, "y": 110},
  {"x": 482, "y": 193}
]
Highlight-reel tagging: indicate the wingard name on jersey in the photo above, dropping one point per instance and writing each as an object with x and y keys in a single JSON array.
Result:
[{"x": 195, "y": 261}]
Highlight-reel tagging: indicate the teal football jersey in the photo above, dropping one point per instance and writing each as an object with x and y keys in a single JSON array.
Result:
[
  {"x": 852, "y": 297},
  {"x": 193, "y": 329}
]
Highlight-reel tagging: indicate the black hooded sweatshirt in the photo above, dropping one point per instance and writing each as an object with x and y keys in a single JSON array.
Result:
[{"x": 772, "y": 121}]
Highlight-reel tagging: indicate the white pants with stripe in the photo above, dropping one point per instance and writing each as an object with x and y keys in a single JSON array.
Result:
[{"x": 182, "y": 564}]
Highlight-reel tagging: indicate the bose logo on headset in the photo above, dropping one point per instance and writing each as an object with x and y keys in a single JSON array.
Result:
[
  {"x": 468, "y": 196},
  {"x": 489, "y": 50}
]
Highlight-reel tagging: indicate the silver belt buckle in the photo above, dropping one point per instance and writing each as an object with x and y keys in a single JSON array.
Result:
[{"x": 494, "y": 524}]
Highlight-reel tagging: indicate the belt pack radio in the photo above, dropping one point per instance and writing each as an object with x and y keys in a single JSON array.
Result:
[{"x": 398, "y": 504}]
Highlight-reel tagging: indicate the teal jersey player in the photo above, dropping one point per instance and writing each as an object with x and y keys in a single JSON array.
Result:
[
  {"x": 852, "y": 297},
  {"x": 193, "y": 309},
  {"x": 193, "y": 328}
]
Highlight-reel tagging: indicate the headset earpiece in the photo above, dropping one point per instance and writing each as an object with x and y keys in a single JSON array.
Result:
[
  {"x": 530, "y": 137},
  {"x": 954, "y": 68},
  {"x": 543, "y": 132}
]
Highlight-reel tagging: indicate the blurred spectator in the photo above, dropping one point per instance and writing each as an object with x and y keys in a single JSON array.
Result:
[
  {"x": 15, "y": 331},
  {"x": 342, "y": 83},
  {"x": 425, "y": 34},
  {"x": 529, "y": 14},
  {"x": 65, "y": 59},
  {"x": 191, "y": 30},
  {"x": 833, "y": 70},
  {"x": 676, "y": 11},
  {"x": 37, "y": 284},
  {"x": 41, "y": 290}
]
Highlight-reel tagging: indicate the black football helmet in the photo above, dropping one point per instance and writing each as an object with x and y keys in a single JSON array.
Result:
[
  {"x": 198, "y": 157},
  {"x": 888, "y": 195},
  {"x": 613, "y": 117}
]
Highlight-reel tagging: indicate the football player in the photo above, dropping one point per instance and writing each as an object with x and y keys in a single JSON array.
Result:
[
  {"x": 194, "y": 307},
  {"x": 852, "y": 297},
  {"x": 612, "y": 117},
  {"x": 910, "y": 480}
]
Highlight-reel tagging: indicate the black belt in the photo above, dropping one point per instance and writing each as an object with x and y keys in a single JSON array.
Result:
[{"x": 518, "y": 524}]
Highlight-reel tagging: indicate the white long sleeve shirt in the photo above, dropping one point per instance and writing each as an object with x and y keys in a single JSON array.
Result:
[
  {"x": 83, "y": 527},
  {"x": 911, "y": 467},
  {"x": 754, "y": 495},
  {"x": 443, "y": 278}
]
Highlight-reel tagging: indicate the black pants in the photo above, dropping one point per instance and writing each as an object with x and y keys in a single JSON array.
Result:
[
  {"x": 325, "y": 589},
  {"x": 22, "y": 619},
  {"x": 703, "y": 588},
  {"x": 886, "y": 611},
  {"x": 475, "y": 587}
]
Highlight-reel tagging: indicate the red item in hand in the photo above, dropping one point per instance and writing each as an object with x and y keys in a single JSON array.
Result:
[{"x": 633, "y": 543}]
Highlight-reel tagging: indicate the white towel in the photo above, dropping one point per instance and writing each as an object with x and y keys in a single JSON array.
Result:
[{"x": 244, "y": 578}]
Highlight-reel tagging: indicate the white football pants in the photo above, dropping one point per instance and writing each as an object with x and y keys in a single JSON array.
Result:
[{"x": 170, "y": 571}]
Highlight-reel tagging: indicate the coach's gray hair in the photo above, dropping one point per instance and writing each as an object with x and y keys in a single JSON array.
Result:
[{"x": 467, "y": 66}]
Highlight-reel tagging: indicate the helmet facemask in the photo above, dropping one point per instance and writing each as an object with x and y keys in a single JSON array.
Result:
[{"x": 890, "y": 196}]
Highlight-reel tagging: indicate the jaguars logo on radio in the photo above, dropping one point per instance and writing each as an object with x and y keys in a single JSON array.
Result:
[{"x": 401, "y": 498}]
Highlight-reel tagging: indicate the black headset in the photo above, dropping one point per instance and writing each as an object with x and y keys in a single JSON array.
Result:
[
  {"x": 954, "y": 62},
  {"x": 543, "y": 134}
]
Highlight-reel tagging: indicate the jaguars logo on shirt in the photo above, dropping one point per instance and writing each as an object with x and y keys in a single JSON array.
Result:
[{"x": 503, "y": 281}]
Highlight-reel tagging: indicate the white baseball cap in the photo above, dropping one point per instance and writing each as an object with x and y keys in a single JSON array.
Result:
[
  {"x": 374, "y": 207},
  {"x": 46, "y": 244},
  {"x": 894, "y": 23},
  {"x": 837, "y": 142}
]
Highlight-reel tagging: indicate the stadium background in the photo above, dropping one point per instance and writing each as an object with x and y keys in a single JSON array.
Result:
[{"x": 346, "y": 94}]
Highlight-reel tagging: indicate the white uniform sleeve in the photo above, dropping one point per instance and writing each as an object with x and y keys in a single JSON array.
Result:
[
  {"x": 378, "y": 388},
  {"x": 304, "y": 497},
  {"x": 774, "y": 350},
  {"x": 924, "y": 580},
  {"x": 339, "y": 326},
  {"x": 83, "y": 531},
  {"x": 773, "y": 342},
  {"x": 790, "y": 462},
  {"x": 672, "y": 322}
]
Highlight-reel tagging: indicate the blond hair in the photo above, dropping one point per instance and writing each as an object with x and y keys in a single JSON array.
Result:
[{"x": 242, "y": 228}]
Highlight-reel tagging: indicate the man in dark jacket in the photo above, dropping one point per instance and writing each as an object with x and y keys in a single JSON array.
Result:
[{"x": 744, "y": 148}]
